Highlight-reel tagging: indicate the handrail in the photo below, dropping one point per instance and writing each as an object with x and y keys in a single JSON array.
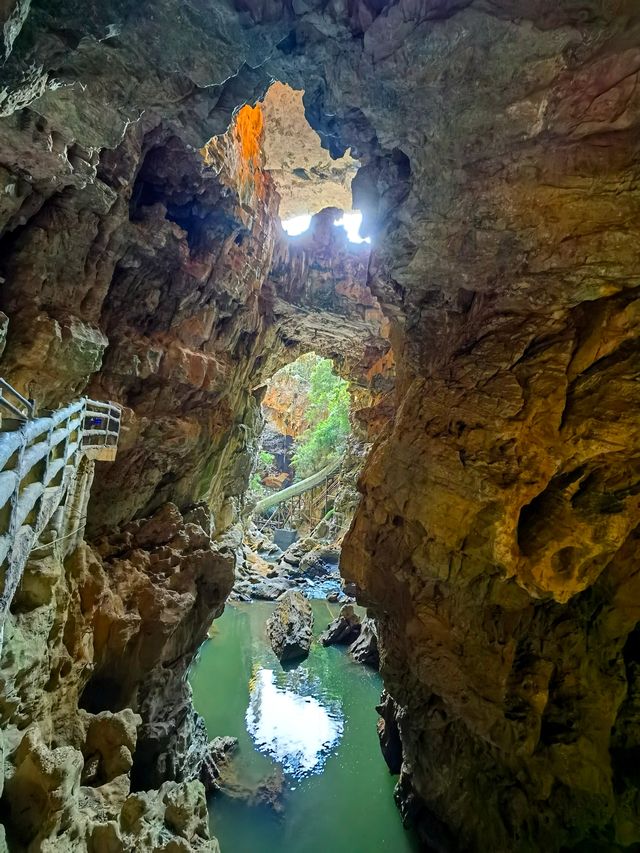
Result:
[
  {"x": 39, "y": 463},
  {"x": 29, "y": 405}
]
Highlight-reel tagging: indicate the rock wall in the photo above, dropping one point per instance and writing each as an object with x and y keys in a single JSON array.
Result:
[
  {"x": 94, "y": 702},
  {"x": 496, "y": 538}
]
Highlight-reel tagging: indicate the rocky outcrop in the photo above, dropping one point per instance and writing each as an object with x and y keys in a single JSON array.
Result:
[
  {"x": 344, "y": 629},
  {"x": 90, "y": 638},
  {"x": 307, "y": 178},
  {"x": 495, "y": 543},
  {"x": 289, "y": 628},
  {"x": 389, "y": 733},
  {"x": 364, "y": 649},
  {"x": 81, "y": 796}
]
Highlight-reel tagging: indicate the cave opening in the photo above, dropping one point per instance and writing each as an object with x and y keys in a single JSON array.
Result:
[
  {"x": 492, "y": 150},
  {"x": 301, "y": 505},
  {"x": 308, "y": 179}
]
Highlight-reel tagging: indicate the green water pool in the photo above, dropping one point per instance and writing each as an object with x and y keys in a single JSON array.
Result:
[{"x": 317, "y": 722}]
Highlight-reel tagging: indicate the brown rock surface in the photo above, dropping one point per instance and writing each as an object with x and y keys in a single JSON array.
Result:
[
  {"x": 289, "y": 628},
  {"x": 496, "y": 541}
]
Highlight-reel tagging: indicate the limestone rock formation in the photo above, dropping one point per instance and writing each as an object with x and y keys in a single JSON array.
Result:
[
  {"x": 496, "y": 539},
  {"x": 307, "y": 178},
  {"x": 81, "y": 797},
  {"x": 364, "y": 648},
  {"x": 289, "y": 628},
  {"x": 344, "y": 630}
]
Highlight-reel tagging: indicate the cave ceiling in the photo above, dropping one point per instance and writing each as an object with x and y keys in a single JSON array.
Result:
[{"x": 496, "y": 540}]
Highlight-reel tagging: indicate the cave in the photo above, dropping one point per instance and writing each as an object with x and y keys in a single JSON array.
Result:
[{"x": 152, "y": 156}]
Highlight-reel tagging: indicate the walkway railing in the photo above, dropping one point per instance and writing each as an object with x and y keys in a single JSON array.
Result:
[
  {"x": 39, "y": 461},
  {"x": 13, "y": 402}
]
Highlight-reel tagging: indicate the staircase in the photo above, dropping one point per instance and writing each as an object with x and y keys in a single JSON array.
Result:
[{"x": 46, "y": 470}]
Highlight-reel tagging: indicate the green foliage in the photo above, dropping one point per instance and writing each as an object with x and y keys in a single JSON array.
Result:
[
  {"x": 265, "y": 460},
  {"x": 328, "y": 416}
]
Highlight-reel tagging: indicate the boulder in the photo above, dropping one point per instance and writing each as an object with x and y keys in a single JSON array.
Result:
[
  {"x": 344, "y": 630},
  {"x": 290, "y": 627},
  {"x": 365, "y": 648},
  {"x": 269, "y": 590},
  {"x": 319, "y": 562},
  {"x": 389, "y": 733}
]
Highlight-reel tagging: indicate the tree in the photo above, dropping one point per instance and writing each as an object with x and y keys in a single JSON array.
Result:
[{"x": 328, "y": 417}]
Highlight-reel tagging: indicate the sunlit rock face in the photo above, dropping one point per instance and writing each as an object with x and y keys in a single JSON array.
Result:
[
  {"x": 496, "y": 541},
  {"x": 307, "y": 178}
]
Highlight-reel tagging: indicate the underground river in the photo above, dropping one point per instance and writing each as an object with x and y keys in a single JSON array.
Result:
[{"x": 315, "y": 723}]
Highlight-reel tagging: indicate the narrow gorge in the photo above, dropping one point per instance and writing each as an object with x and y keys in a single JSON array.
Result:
[{"x": 154, "y": 156}]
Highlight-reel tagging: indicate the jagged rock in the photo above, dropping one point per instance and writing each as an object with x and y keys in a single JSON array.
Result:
[
  {"x": 320, "y": 561},
  {"x": 496, "y": 539},
  {"x": 344, "y": 630},
  {"x": 270, "y": 590},
  {"x": 46, "y": 796},
  {"x": 388, "y": 733},
  {"x": 289, "y": 629},
  {"x": 268, "y": 792},
  {"x": 219, "y": 754},
  {"x": 306, "y": 176},
  {"x": 365, "y": 648}
]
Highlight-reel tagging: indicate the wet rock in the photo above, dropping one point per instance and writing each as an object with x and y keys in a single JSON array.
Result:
[
  {"x": 267, "y": 793},
  {"x": 220, "y": 752},
  {"x": 269, "y": 590},
  {"x": 290, "y": 627},
  {"x": 365, "y": 648},
  {"x": 319, "y": 562},
  {"x": 388, "y": 732},
  {"x": 344, "y": 630}
]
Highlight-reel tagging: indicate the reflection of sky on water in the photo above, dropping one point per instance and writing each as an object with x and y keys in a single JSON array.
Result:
[{"x": 296, "y": 730}]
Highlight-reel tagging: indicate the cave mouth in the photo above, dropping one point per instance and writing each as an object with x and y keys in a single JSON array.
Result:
[
  {"x": 300, "y": 510},
  {"x": 308, "y": 179},
  {"x": 350, "y": 221}
]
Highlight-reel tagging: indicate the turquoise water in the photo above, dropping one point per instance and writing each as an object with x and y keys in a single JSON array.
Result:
[{"x": 317, "y": 722}]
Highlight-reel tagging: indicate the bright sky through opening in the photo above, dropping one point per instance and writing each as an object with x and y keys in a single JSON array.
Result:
[{"x": 349, "y": 221}]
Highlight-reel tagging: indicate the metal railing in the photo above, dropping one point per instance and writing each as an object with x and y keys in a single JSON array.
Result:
[{"x": 39, "y": 459}]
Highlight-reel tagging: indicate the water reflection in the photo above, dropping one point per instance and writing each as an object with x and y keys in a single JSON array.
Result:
[{"x": 290, "y": 724}]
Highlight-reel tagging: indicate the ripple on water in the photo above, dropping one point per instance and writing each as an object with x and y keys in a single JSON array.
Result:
[{"x": 290, "y": 724}]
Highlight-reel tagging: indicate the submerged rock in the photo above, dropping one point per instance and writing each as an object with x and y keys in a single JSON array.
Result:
[
  {"x": 290, "y": 627},
  {"x": 268, "y": 792},
  {"x": 214, "y": 768},
  {"x": 344, "y": 630},
  {"x": 365, "y": 648}
]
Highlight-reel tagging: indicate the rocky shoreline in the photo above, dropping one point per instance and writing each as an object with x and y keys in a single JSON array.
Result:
[{"x": 264, "y": 572}]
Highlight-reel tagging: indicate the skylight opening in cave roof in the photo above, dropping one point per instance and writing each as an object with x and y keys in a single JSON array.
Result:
[
  {"x": 307, "y": 178},
  {"x": 349, "y": 221}
]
